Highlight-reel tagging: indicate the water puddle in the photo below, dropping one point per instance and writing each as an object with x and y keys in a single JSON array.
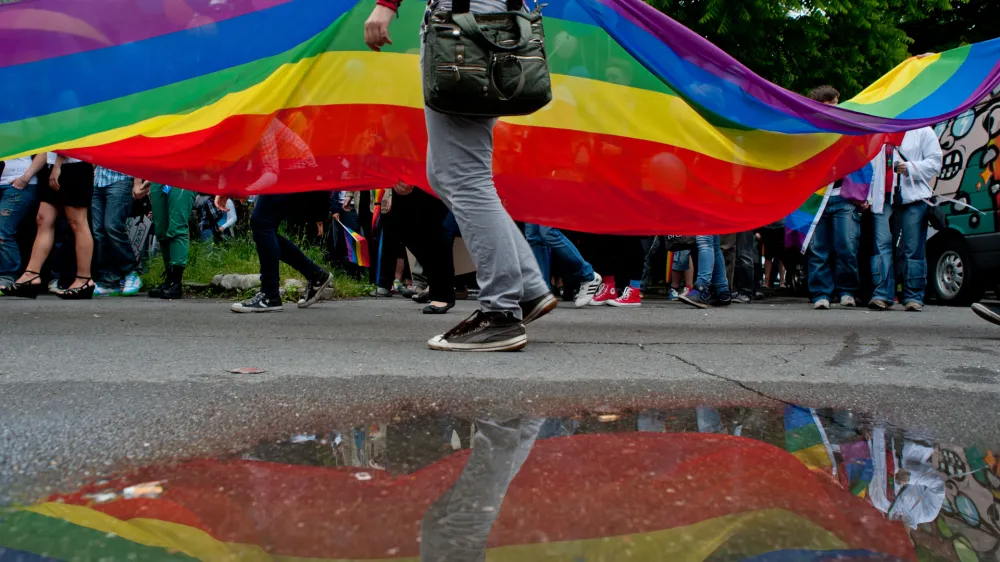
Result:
[{"x": 705, "y": 483}]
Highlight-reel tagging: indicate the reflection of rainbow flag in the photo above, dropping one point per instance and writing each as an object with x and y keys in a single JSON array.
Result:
[
  {"x": 676, "y": 496},
  {"x": 806, "y": 439},
  {"x": 651, "y": 127},
  {"x": 357, "y": 247}
]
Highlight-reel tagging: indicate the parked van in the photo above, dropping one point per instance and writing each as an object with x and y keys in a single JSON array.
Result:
[{"x": 963, "y": 260}]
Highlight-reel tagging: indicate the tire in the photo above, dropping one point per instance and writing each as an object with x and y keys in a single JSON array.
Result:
[{"x": 951, "y": 273}]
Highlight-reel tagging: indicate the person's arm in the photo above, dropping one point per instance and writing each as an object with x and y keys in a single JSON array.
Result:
[
  {"x": 377, "y": 25},
  {"x": 140, "y": 188},
  {"x": 230, "y": 216},
  {"x": 56, "y": 172},
  {"x": 37, "y": 163},
  {"x": 928, "y": 167}
]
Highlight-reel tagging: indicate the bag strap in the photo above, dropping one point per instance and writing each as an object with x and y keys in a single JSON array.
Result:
[
  {"x": 462, "y": 6},
  {"x": 470, "y": 27}
]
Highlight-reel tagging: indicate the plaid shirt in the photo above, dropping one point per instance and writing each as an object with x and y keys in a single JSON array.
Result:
[{"x": 104, "y": 177}]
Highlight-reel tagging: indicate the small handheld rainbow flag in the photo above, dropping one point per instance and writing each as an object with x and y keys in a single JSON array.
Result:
[{"x": 357, "y": 246}]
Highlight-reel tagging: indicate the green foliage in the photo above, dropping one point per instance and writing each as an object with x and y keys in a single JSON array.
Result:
[
  {"x": 801, "y": 44},
  {"x": 239, "y": 255}
]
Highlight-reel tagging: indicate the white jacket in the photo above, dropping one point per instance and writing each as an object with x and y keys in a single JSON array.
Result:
[{"x": 921, "y": 152}]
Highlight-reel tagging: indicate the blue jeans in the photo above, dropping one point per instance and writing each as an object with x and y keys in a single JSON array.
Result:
[
  {"x": 711, "y": 266},
  {"x": 909, "y": 226},
  {"x": 546, "y": 242},
  {"x": 838, "y": 230},
  {"x": 113, "y": 255},
  {"x": 14, "y": 204},
  {"x": 882, "y": 274},
  {"x": 682, "y": 260}
]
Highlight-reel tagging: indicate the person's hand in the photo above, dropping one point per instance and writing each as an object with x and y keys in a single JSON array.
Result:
[
  {"x": 386, "y": 205},
  {"x": 902, "y": 169},
  {"x": 220, "y": 202},
  {"x": 402, "y": 188},
  {"x": 347, "y": 205},
  {"x": 319, "y": 229},
  {"x": 140, "y": 189},
  {"x": 54, "y": 177},
  {"x": 336, "y": 217},
  {"x": 377, "y": 28},
  {"x": 20, "y": 183},
  {"x": 862, "y": 205}
]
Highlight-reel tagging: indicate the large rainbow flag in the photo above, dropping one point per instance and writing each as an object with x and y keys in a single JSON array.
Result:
[{"x": 652, "y": 129}]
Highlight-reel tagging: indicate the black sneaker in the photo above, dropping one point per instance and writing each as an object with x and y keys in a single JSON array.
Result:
[
  {"x": 742, "y": 298},
  {"x": 483, "y": 331},
  {"x": 536, "y": 308},
  {"x": 314, "y": 291},
  {"x": 157, "y": 292},
  {"x": 259, "y": 303},
  {"x": 725, "y": 299}
]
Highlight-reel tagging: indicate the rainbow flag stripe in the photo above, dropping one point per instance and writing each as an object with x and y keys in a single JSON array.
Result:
[{"x": 685, "y": 138}]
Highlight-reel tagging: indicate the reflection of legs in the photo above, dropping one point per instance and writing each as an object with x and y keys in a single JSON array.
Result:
[
  {"x": 460, "y": 170},
  {"x": 457, "y": 525}
]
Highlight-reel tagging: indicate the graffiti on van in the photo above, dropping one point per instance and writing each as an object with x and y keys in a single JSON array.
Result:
[
  {"x": 970, "y": 173},
  {"x": 968, "y": 526}
]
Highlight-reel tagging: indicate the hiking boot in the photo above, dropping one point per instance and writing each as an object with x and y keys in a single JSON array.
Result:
[
  {"x": 172, "y": 291},
  {"x": 258, "y": 303},
  {"x": 483, "y": 331},
  {"x": 588, "y": 290},
  {"x": 536, "y": 308},
  {"x": 314, "y": 290}
]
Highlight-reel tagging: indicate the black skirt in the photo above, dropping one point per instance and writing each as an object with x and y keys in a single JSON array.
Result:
[{"x": 76, "y": 186}]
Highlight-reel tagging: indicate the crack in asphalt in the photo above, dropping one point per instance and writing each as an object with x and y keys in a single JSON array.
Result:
[{"x": 740, "y": 384}]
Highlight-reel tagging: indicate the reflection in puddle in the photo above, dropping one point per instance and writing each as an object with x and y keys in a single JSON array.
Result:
[{"x": 693, "y": 484}]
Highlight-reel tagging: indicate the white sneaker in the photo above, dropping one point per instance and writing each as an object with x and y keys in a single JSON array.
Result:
[
  {"x": 588, "y": 291},
  {"x": 131, "y": 284},
  {"x": 847, "y": 300},
  {"x": 822, "y": 304}
]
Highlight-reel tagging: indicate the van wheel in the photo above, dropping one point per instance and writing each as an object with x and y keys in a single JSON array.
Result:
[{"x": 953, "y": 275}]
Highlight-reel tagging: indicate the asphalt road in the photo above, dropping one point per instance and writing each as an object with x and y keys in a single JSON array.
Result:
[{"x": 88, "y": 388}]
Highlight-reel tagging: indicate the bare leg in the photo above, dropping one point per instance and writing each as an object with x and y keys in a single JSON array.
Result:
[
  {"x": 400, "y": 266},
  {"x": 44, "y": 239},
  {"x": 77, "y": 218},
  {"x": 784, "y": 273}
]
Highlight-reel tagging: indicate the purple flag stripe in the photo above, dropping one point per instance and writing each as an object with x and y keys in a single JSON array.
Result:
[{"x": 66, "y": 27}]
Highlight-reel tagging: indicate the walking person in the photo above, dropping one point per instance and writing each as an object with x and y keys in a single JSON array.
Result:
[
  {"x": 273, "y": 248},
  {"x": 420, "y": 219},
  {"x": 460, "y": 171},
  {"x": 70, "y": 190},
  {"x": 114, "y": 260}
]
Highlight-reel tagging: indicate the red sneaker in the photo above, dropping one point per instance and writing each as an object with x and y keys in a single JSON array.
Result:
[
  {"x": 631, "y": 297},
  {"x": 606, "y": 293}
]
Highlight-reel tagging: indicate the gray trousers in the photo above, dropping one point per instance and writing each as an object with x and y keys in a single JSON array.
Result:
[
  {"x": 456, "y": 527},
  {"x": 460, "y": 171}
]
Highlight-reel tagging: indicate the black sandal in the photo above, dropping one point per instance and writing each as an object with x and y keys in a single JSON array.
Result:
[
  {"x": 24, "y": 289},
  {"x": 85, "y": 292}
]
